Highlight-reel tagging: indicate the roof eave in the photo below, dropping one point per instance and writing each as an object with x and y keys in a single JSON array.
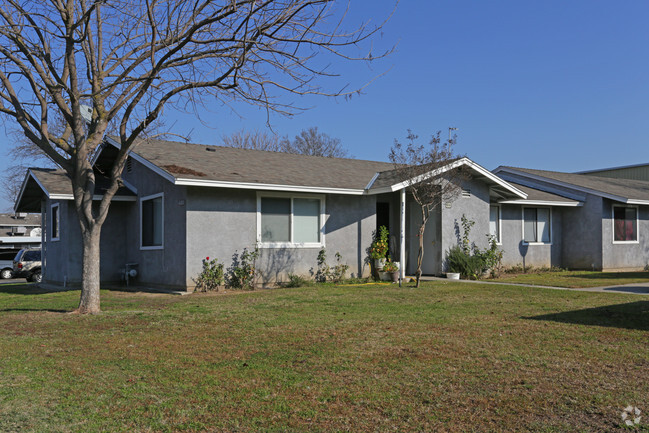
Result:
[
  {"x": 543, "y": 203},
  {"x": 571, "y": 186},
  {"x": 455, "y": 164},
  {"x": 269, "y": 187}
]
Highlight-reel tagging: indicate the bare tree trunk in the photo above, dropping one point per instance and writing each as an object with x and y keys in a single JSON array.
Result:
[
  {"x": 420, "y": 253},
  {"x": 90, "y": 283}
]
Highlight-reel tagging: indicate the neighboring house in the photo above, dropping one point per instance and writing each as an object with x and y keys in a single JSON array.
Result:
[
  {"x": 183, "y": 202},
  {"x": 604, "y": 223},
  {"x": 19, "y": 230}
]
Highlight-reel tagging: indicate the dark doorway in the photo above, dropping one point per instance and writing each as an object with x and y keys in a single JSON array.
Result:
[{"x": 382, "y": 215}]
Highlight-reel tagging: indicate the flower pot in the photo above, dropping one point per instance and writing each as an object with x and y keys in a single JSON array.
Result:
[
  {"x": 385, "y": 276},
  {"x": 395, "y": 276},
  {"x": 453, "y": 275},
  {"x": 379, "y": 263}
]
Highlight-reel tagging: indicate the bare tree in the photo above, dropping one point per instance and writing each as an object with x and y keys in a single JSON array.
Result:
[
  {"x": 430, "y": 176},
  {"x": 128, "y": 60},
  {"x": 310, "y": 142},
  {"x": 258, "y": 140}
]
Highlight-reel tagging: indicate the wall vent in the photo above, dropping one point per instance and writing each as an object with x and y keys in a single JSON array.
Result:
[
  {"x": 466, "y": 193},
  {"x": 129, "y": 164}
]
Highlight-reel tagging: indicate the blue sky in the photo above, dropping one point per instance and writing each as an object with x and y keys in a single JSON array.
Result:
[{"x": 556, "y": 85}]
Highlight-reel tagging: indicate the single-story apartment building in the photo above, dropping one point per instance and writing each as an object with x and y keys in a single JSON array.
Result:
[{"x": 182, "y": 202}]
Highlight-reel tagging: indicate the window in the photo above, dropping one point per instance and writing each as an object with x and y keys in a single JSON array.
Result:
[
  {"x": 151, "y": 222},
  {"x": 536, "y": 225},
  {"x": 290, "y": 221},
  {"x": 55, "y": 226},
  {"x": 494, "y": 222},
  {"x": 625, "y": 224}
]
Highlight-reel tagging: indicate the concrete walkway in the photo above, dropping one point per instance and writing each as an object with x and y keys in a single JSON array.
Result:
[{"x": 631, "y": 289}]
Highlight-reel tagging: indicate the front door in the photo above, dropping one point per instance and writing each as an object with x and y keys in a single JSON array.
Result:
[{"x": 432, "y": 263}]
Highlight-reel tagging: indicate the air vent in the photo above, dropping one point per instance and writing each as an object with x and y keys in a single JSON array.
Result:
[
  {"x": 466, "y": 193},
  {"x": 129, "y": 164},
  {"x": 210, "y": 149}
]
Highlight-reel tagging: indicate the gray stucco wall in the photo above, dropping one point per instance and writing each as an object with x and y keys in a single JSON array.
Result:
[
  {"x": 64, "y": 257},
  {"x": 224, "y": 221},
  {"x": 515, "y": 252},
  {"x": 624, "y": 255},
  {"x": 475, "y": 208},
  {"x": 582, "y": 234},
  {"x": 161, "y": 267}
]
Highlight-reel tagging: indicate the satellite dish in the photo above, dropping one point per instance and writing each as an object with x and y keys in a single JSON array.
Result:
[
  {"x": 86, "y": 113},
  {"x": 35, "y": 233}
]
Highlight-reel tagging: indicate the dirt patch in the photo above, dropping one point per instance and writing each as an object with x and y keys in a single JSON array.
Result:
[{"x": 176, "y": 169}]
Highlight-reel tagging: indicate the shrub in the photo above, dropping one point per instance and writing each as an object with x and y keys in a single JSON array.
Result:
[
  {"x": 211, "y": 276},
  {"x": 296, "y": 281},
  {"x": 467, "y": 265},
  {"x": 379, "y": 247},
  {"x": 471, "y": 262},
  {"x": 325, "y": 272},
  {"x": 241, "y": 275}
]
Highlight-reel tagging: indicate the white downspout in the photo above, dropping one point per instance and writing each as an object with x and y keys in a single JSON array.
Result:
[{"x": 402, "y": 235}]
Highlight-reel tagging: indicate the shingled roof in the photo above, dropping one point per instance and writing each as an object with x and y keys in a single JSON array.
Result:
[
  {"x": 55, "y": 184},
  {"x": 198, "y": 162},
  {"x": 536, "y": 196},
  {"x": 624, "y": 190}
]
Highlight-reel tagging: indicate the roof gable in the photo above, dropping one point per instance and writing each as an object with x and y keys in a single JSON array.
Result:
[{"x": 623, "y": 190}]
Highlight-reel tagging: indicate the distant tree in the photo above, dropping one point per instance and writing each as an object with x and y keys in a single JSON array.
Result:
[
  {"x": 430, "y": 181},
  {"x": 311, "y": 142},
  {"x": 68, "y": 69},
  {"x": 308, "y": 142},
  {"x": 257, "y": 140}
]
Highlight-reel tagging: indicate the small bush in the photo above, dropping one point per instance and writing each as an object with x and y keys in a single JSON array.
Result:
[
  {"x": 296, "y": 281},
  {"x": 471, "y": 262},
  {"x": 325, "y": 272},
  {"x": 468, "y": 266},
  {"x": 241, "y": 275},
  {"x": 211, "y": 277}
]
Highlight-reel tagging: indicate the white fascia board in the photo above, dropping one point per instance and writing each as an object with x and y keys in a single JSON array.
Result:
[
  {"x": 566, "y": 185},
  {"x": 460, "y": 162},
  {"x": 148, "y": 164},
  {"x": 640, "y": 202},
  {"x": 489, "y": 175},
  {"x": 268, "y": 187},
  {"x": 94, "y": 197},
  {"x": 543, "y": 203}
]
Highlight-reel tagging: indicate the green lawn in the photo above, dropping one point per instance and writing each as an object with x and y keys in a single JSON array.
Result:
[
  {"x": 445, "y": 357},
  {"x": 576, "y": 279}
]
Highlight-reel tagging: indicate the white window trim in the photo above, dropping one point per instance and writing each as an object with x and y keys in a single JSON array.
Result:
[
  {"x": 499, "y": 240},
  {"x": 58, "y": 221},
  {"x": 637, "y": 224},
  {"x": 291, "y": 244},
  {"x": 523, "y": 225},
  {"x": 149, "y": 197}
]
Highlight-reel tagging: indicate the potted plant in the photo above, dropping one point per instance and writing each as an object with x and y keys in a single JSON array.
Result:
[
  {"x": 379, "y": 247},
  {"x": 392, "y": 269}
]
